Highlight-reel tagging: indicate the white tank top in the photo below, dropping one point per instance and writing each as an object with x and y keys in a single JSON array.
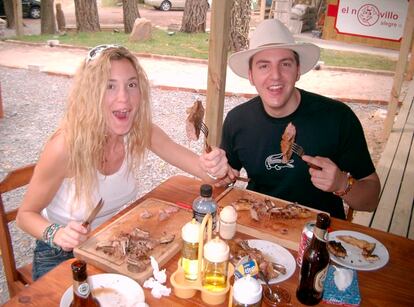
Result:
[{"x": 117, "y": 191}]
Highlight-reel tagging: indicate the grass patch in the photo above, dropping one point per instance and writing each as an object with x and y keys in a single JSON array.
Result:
[
  {"x": 357, "y": 60},
  {"x": 196, "y": 46}
]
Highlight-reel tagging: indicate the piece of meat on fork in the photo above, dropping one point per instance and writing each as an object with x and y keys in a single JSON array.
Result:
[
  {"x": 288, "y": 138},
  {"x": 194, "y": 120}
]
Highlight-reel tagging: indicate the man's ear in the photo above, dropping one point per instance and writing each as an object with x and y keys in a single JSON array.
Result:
[
  {"x": 251, "y": 77},
  {"x": 298, "y": 74}
]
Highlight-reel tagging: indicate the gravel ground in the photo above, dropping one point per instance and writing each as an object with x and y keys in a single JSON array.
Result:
[{"x": 34, "y": 102}]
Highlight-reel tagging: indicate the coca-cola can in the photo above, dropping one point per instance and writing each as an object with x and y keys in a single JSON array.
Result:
[{"x": 306, "y": 236}]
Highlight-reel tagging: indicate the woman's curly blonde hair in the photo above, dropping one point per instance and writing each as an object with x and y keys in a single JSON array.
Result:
[{"x": 84, "y": 122}]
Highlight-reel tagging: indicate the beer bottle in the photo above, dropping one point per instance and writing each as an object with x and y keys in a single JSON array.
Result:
[
  {"x": 314, "y": 264},
  {"x": 82, "y": 296}
]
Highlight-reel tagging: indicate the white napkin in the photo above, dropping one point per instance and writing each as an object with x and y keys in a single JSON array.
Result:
[
  {"x": 156, "y": 283},
  {"x": 342, "y": 278}
]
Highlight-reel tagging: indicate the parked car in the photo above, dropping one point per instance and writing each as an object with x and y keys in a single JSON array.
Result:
[
  {"x": 166, "y": 5},
  {"x": 30, "y": 8}
]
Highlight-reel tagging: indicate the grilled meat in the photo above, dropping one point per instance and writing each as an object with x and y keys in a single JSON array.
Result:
[
  {"x": 288, "y": 138},
  {"x": 194, "y": 120}
]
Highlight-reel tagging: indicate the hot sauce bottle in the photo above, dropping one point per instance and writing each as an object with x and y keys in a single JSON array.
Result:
[
  {"x": 314, "y": 264},
  {"x": 82, "y": 296}
]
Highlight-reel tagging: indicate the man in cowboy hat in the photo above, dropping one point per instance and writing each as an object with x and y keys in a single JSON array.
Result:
[{"x": 328, "y": 130}]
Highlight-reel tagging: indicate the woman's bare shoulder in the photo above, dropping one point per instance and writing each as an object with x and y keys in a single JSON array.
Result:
[{"x": 55, "y": 153}]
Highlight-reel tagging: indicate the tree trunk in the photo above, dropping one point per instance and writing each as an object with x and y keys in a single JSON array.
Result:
[
  {"x": 131, "y": 12},
  {"x": 195, "y": 16},
  {"x": 87, "y": 18},
  {"x": 47, "y": 22},
  {"x": 239, "y": 25},
  {"x": 8, "y": 10}
]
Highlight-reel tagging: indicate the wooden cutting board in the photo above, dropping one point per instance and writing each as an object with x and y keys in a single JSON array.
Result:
[
  {"x": 286, "y": 232},
  {"x": 126, "y": 223}
]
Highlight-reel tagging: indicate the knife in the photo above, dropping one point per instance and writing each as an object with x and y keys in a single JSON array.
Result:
[{"x": 93, "y": 213}]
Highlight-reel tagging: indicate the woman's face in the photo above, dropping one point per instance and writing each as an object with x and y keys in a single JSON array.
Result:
[{"x": 122, "y": 97}]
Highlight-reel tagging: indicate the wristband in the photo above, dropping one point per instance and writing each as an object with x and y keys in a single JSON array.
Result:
[
  {"x": 349, "y": 183},
  {"x": 49, "y": 234}
]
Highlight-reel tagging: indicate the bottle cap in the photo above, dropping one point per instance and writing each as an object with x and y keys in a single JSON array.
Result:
[
  {"x": 228, "y": 214},
  {"x": 190, "y": 231},
  {"x": 206, "y": 190},
  {"x": 323, "y": 221},
  {"x": 247, "y": 290},
  {"x": 216, "y": 250}
]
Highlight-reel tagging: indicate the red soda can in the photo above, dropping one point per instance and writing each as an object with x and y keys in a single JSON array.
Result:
[{"x": 307, "y": 234}]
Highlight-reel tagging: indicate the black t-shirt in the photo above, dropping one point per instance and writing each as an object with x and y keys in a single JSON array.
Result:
[{"x": 324, "y": 127}]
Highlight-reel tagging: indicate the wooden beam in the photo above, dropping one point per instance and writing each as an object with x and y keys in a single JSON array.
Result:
[
  {"x": 217, "y": 68},
  {"x": 18, "y": 17},
  {"x": 400, "y": 69},
  {"x": 262, "y": 9},
  {"x": 410, "y": 70}
]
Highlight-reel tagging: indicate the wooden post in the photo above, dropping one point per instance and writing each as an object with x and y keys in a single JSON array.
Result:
[
  {"x": 262, "y": 9},
  {"x": 18, "y": 16},
  {"x": 1, "y": 106},
  {"x": 400, "y": 69},
  {"x": 410, "y": 70},
  {"x": 217, "y": 68}
]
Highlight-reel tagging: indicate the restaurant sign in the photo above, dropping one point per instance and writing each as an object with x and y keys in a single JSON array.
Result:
[{"x": 383, "y": 19}]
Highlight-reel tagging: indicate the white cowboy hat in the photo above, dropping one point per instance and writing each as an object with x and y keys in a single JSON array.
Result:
[{"x": 270, "y": 34}]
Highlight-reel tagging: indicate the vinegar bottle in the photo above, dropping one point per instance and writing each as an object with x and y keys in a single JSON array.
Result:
[
  {"x": 314, "y": 264},
  {"x": 82, "y": 296},
  {"x": 189, "y": 254}
]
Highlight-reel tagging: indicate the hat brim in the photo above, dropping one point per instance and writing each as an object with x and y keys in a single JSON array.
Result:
[{"x": 308, "y": 56}]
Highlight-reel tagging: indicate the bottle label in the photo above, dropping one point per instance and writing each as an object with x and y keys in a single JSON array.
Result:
[
  {"x": 320, "y": 279},
  {"x": 82, "y": 289},
  {"x": 321, "y": 234},
  {"x": 200, "y": 215}
]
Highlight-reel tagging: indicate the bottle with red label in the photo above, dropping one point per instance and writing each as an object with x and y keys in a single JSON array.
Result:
[
  {"x": 314, "y": 264},
  {"x": 82, "y": 295}
]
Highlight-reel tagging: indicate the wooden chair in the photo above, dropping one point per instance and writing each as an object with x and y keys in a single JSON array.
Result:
[{"x": 16, "y": 278}]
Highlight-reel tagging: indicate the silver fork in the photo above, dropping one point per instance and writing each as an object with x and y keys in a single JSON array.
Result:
[
  {"x": 297, "y": 149},
  {"x": 203, "y": 128}
]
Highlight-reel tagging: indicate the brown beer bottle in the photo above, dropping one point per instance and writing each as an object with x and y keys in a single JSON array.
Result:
[
  {"x": 82, "y": 296},
  {"x": 315, "y": 264}
]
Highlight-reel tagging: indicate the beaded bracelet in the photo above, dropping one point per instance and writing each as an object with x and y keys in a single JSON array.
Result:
[
  {"x": 49, "y": 234},
  {"x": 349, "y": 183}
]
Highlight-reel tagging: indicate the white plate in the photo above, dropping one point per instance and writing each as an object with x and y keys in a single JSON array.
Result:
[
  {"x": 110, "y": 290},
  {"x": 276, "y": 253},
  {"x": 354, "y": 258}
]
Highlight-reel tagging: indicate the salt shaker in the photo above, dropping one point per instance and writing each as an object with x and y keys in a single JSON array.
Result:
[
  {"x": 247, "y": 292},
  {"x": 216, "y": 255},
  {"x": 228, "y": 218}
]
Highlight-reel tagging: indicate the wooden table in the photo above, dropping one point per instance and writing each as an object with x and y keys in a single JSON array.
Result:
[{"x": 393, "y": 285}]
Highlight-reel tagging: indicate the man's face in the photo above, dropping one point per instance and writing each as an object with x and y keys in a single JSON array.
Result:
[{"x": 274, "y": 73}]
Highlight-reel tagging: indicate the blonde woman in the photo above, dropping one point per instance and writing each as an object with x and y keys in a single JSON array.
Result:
[{"x": 101, "y": 140}]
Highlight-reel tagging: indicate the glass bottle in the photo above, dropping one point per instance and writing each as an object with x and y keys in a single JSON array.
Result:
[
  {"x": 205, "y": 204},
  {"x": 189, "y": 254},
  {"x": 82, "y": 296},
  {"x": 314, "y": 264},
  {"x": 247, "y": 292},
  {"x": 216, "y": 255}
]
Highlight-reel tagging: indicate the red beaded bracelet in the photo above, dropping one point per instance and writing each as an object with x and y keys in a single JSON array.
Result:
[{"x": 349, "y": 183}]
